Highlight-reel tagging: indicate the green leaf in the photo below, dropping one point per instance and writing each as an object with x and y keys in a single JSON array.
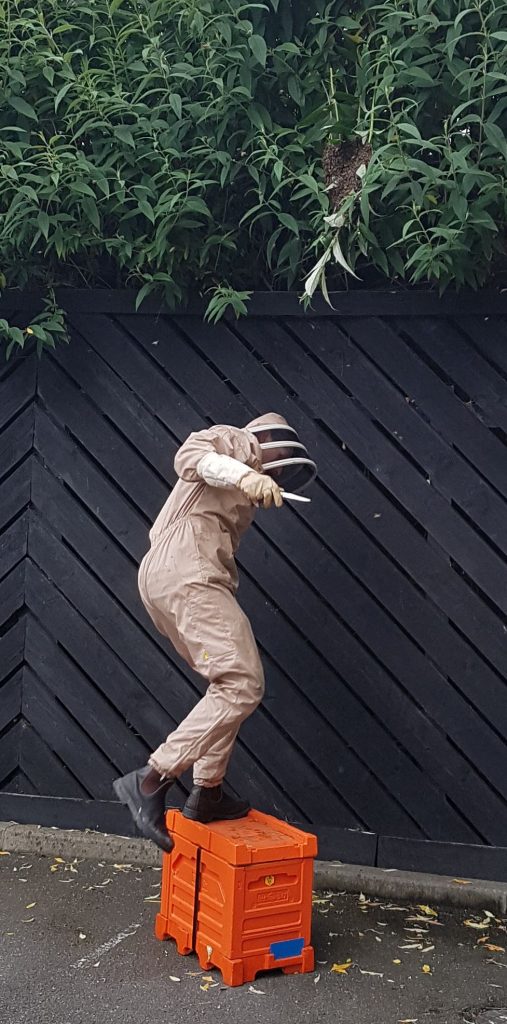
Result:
[
  {"x": 415, "y": 74},
  {"x": 61, "y": 93},
  {"x": 82, "y": 188},
  {"x": 289, "y": 222},
  {"x": 38, "y": 331},
  {"x": 114, "y": 5},
  {"x": 496, "y": 137},
  {"x": 22, "y": 107},
  {"x": 259, "y": 49},
  {"x": 459, "y": 17},
  {"x": 409, "y": 129},
  {"x": 294, "y": 88},
  {"x": 90, "y": 208},
  {"x": 17, "y": 336},
  {"x": 499, "y": 35},
  {"x": 459, "y": 205},
  {"x": 175, "y": 102},
  {"x": 125, "y": 135},
  {"x": 145, "y": 208},
  {"x": 143, "y": 292},
  {"x": 43, "y": 223},
  {"x": 271, "y": 244}
]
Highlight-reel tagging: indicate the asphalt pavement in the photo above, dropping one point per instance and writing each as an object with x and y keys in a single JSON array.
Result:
[{"x": 77, "y": 947}]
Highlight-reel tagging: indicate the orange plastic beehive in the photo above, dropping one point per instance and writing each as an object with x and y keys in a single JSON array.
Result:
[{"x": 240, "y": 894}]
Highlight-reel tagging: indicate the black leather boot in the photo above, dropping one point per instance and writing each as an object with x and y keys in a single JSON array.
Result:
[
  {"x": 207, "y": 805},
  {"x": 146, "y": 808}
]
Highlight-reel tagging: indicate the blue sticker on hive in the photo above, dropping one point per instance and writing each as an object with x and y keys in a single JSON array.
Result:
[{"x": 284, "y": 950}]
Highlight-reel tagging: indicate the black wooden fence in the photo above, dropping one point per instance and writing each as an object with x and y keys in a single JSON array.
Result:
[{"x": 380, "y": 609}]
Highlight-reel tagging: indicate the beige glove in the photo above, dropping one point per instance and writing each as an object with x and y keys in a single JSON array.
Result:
[{"x": 261, "y": 489}]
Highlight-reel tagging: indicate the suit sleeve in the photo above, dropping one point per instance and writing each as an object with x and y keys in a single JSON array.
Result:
[{"x": 220, "y": 456}]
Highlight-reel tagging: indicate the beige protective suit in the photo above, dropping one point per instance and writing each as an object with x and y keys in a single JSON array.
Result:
[{"x": 188, "y": 580}]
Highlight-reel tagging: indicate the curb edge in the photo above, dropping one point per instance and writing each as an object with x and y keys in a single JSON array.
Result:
[{"x": 389, "y": 883}]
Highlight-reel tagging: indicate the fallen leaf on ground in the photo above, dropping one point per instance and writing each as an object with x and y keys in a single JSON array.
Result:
[
  {"x": 427, "y": 920},
  {"x": 494, "y": 949},
  {"x": 258, "y": 991},
  {"x": 426, "y": 969},
  {"x": 341, "y": 968},
  {"x": 59, "y": 860},
  {"x": 496, "y": 962},
  {"x": 396, "y": 961},
  {"x": 172, "y": 977},
  {"x": 462, "y": 881},
  {"x": 409, "y": 1020},
  {"x": 427, "y": 910},
  {"x": 82, "y": 935},
  {"x": 476, "y": 924},
  {"x": 4, "y": 853},
  {"x": 374, "y": 974},
  {"x": 27, "y": 920},
  {"x": 427, "y": 949},
  {"x": 316, "y": 979},
  {"x": 30, "y": 905}
]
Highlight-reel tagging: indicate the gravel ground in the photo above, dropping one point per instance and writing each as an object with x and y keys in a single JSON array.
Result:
[{"x": 77, "y": 947}]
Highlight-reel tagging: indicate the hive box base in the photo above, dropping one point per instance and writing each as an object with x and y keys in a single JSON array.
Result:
[
  {"x": 237, "y": 972},
  {"x": 239, "y": 894}
]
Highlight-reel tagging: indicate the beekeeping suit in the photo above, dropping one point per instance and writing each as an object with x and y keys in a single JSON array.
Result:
[{"x": 188, "y": 581}]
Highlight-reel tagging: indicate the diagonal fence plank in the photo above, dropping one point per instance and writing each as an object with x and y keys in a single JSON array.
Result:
[{"x": 379, "y": 609}]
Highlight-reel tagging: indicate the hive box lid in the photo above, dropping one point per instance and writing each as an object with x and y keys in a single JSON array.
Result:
[{"x": 255, "y": 839}]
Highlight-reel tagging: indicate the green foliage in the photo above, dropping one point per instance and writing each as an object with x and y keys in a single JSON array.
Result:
[
  {"x": 432, "y": 94},
  {"x": 176, "y": 145},
  {"x": 43, "y": 329}
]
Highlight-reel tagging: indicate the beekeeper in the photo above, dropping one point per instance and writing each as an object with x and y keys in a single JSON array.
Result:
[{"x": 188, "y": 581}]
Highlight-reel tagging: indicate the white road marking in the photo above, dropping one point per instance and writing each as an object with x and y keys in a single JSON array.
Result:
[{"x": 106, "y": 947}]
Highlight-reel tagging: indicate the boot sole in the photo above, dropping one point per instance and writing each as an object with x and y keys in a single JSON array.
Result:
[
  {"x": 125, "y": 798},
  {"x": 194, "y": 816}
]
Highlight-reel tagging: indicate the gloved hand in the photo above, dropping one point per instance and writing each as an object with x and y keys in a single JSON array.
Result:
[{"x": 261, "y": 489}]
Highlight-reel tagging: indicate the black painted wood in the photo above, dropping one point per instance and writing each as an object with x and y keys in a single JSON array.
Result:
[
  {"x": 379, "y": 609},
  {"x": 411, "y": 302}
]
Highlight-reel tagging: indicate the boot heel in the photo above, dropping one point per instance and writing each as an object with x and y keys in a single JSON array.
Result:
[
  {"x": 204, "y": 819},
  {"x": 119, "y": 789}
]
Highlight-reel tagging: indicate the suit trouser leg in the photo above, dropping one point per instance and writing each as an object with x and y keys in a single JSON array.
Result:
[{"x": 212, "y": 633}]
